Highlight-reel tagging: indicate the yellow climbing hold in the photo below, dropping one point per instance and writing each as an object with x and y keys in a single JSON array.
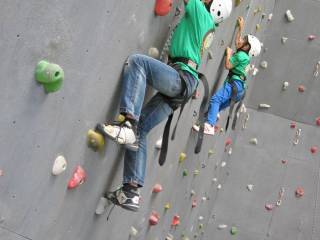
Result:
[
  {"x": 258, "y": 27},
  {"x": 167, "y": 206},
  {"x": 121, "y": 118},
  {"x": 182, "y": 157},
  {"x": 196, "y": 172}
]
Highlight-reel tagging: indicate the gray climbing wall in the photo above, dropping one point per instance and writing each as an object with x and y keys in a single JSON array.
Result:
[{"x": 91, "y": 40}]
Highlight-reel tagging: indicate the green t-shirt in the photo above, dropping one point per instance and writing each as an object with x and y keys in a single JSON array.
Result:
[
  {"x": 188, "y": 37},
  {"x": 240, "y": 61}
]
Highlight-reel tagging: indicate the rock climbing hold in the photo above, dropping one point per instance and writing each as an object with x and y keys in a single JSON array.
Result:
[
  {"x": 299, "y": 192},
  {"x": 296, "y": 137},
  {"x": 203, "y": 165},
  {"x": 78, "y": 177},
  {"x": 222, "y": 226},
  {"x": 196, "y": 94},
  {"x": 269, "y": 206},
  {"x": 318, "y": 121},
  {"x": 264, "y": 64},
  {"x": 293, "y": 125},
  {"x": 289, "y": 16},
  {"x": 264, "y": 105},
  {"x": 95, "y": 140},
  {"x": 238, "y": 2},
  {"x": 121, "y": 118},
  {"x": 185, "y": 173},
  {"x": 133, "y": 231},
  {"x": 223, "y": 164},
  {"x": 270, "y": 17},
  {"x": 200, "y": 226},
  {"x": 154, "y": 218},
  {"x": 153, "y": 52},
  {"x": 192, "y": 192},
  {"x": 1, "y": 173},
  {"x": 230, "y": 151},
  {"x": 301, "y": 88},
  {"x": 314, "y": 149},
  {"x": 311, "y": 37},
  {"x": 228, "y": 142},
  {"x": 194, "y": 203},
  {"x": 200, "y": 218},
  {"x": 101, "y": 206},
  {"x": 163, "y": 7},
  {"x": 169, "y": 237},
  {"x": 285, "y": 86},
  {"x": 284, "y": 39},
  {"x": 196, "y": 172},
  {"x": 316, "y": 70},
  {"x": 253, "y": 141},
  {"x": 158, "y": 144},
  {"x": 219, "y": 186},
  {"x": 214, "y": 180},
  {"x": 263, "y": 15},
  {"x": 175, "y": 221},
  {"x": 59, "y": 165},
  {"x": 258, "y": 27},
  {"x": 250, "y": 187},
  {"x": 157, "y": 188},
  {"x": 210, "y": 54},
  {"x": 234, "y": 230},
  {"x": 182, "y": 157},
  {"x": 255, "y": 71},
  {"x": 204, "y": 199},
  {"x": 50, "y": 75},
  {"x": 284, "y": 161},
  {"x": 167, "y": 206}
]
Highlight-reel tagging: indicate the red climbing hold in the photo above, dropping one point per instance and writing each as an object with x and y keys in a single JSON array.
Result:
[
  {"x": 163, "y": 7},
  {"x": 284, "y": 161},
  {"x": 157, "y": 188},
  {"x": 196, "y": 95},
  {"x": 311, "y": 37},
  {"x": 318, "y": 121},
  {"x": 194, "y": 203},
  {"x": 154, "y": 218},
  {"x": 301, "y": 88},
  {"x": 293, "y": 125},
  {"x": 269, "y": 206},
  {"x": 175, "y": 220},
  {"x": 228, "y": 142},
  {"x": 314, "y": 149},
  {"x": 299, "y": 192},
  {"x": 79, "y": 176}
]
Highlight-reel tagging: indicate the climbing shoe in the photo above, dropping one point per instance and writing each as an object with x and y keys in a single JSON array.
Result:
[
  {"x": 208, "y": 129},
  {"x": 125, "y": 197},
  {"x": 124, "y": 133}
]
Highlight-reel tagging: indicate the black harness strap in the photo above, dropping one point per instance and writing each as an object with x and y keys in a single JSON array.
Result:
[
  {"x": 233, "y": 99},
  {"x": 235, "y": 117}
]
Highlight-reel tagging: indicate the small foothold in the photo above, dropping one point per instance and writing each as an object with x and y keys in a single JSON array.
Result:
[
  {"x": 133, "y": 231},
  {"x": 59, "y": 165},
  {"x": 285, "y": 86},
  {"x": 284, "y": 161},
  {"x": 234, "y": 230},
  {"x": 222, "y": 226},
  {"x": 101, "y": 206},
  {"x": 79, "y": 177},
  {"x": 270, "y": 17},
  {"x": 210, "y": 152},
  {"x": 214, "y": 180},
  {"x": 223, "y": 164},
  {"x": 169, "y": 237},
  {"x": 258, "y": 27},
  {"x": 299, "y": 192},
  {"x": 293, "y": 125},
  {"x": 311, "y": 37},
  {"x": 230, "y": 151},
  {"x": 269, "y": 206},
  {"x": 154, "y": 218},
  {"x": 157, "y": 188},
  {"x": 192, "y": 192},
  {"x": 264, "y": 105},
  {"x": 194, "y": 203},
  {"x": 284, "y": 39},
  {"x": 204, "y": 199},
  {"x": 153, "y": 52},
  {"x": 253, "y": 141},
  {"x": 200, "y": 226},
  {"x": 182, "y": 157},
  {"x": 301, "y": 88},
  {"x": 167, "y": 206},
  {"x": 318, "y": 121},
  {"x": 175, "y": 221},
  {"x": 250, "y": 187},
  {"x": 200, "y": 218},
  {"x": 196, "y": 172},
  {"x": 264, "y": 64},
  {"x": 314, "y": 149},
  {"x": 159, "y": 144},
  {"x": 289, "y": 16},
  {"x": 219, "y": 186},
  {"x": 185, "y": 173}
]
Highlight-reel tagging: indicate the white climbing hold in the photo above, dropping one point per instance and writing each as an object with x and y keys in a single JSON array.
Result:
[
  {"x": 169, "y": 237},
  {"x": 264, "y": 105},
  {"x": 101, "y": 206},
  {"x": 192, "y": 192},
  {"x": 214, "y": 180},
  {"x": 223, "y": 164},
  {"x": 270, "y": 17},
  {"x": 219, "y": 186},
  {"x": 200, "y": 218},
  {"x": 264, "y": 64},
  {"x": 289, "y": 16},
  {"x": 153, "y": 52},
  {"x": 285, "y": 86},
  {"x": 284, "y": 39},
  {"x": 250, "y": 187},
  {"x": 59, "y": 165},
  {"x": 159, "y": 144},
  {"x": 222, "y": 226},
  {"x": 253, "y": 141},
  {"x": 204, "y": 199},
  {"x": 255, "y": 71},
  {"x": 133, "y": 231},
  {"x": 230, "y": 151}
]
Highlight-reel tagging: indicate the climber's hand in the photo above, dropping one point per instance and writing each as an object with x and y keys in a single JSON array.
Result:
[
  {"x": 228, "y": 51},
  {"x": 240, "y": 22}
]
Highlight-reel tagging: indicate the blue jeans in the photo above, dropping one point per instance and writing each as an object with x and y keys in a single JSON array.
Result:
[
  {"x": 139, "y": 71},
  {"x": 221, "y": 100}
]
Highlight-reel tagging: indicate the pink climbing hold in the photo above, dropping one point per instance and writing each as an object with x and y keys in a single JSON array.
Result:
[
  {"x": 293, "y": 125},
  {"x": 299, "y": 192},
  {"x": 311, "y": 37},
  {"x": 157, "y": 188},
  {"x": 163, "y": 7},
  {"x": 154, "y": 218},
  {"x": 194, "y": 203},
  {"x": 1, "y": 173},
  {"x": 318, "y": 121},
  {"x": 175, "y": 220},
  {"x": 314, "y": 149},
  {"x": 284, "y": 161},
  {"x": 301, "y": 88},
  {"x": 79, "y": 176},
  {"x": 269, "y": 206},
  {"x": 228, "y": 142}
]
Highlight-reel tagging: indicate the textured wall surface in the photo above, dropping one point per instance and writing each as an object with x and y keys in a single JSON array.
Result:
[{"x": 91, "y": 40}]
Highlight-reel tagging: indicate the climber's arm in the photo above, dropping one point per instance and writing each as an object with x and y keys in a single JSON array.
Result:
[
  {"x": 228, "y": 65},
  {"x": 239, "y": 40}
]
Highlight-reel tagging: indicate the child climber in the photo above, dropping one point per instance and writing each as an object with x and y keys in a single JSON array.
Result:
[
  {"x": 185, "y": 51},
  {"x": 237, "y": 63}
]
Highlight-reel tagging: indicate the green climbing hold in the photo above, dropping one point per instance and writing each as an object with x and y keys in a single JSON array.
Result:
[
  {"x": 196, "y": 172},
  {"x": 185, "y": 173},
  {"x": 233, "y": 230},
  {"x": 50, "y": 75}
]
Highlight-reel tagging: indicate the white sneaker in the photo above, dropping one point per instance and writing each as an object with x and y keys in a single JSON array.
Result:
[{"x": 208, "y": 129}]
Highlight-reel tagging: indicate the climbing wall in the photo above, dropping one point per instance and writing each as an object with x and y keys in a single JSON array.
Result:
[{"x": 258, "y": 182}]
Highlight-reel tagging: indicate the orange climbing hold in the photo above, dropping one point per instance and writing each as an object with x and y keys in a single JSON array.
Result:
[
  {"x": 163, "y": 7},
  {"x": 154, "y": 218},
  {"x": 314, "y": 149},
  {"x": 79, "y": 177},
  {"x": 175, "y": 220},
  {"x": 157, "y": 188},
  {"x": 299, "y": 192}
]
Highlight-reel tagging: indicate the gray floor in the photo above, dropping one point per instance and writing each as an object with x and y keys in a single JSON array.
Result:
[{"x": 90, "y": 40}]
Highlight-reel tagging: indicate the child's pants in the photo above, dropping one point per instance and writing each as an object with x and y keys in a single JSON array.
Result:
[{"x": 222, "y": 98}]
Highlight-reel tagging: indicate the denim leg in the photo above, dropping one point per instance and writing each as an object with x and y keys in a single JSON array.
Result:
[
  {"x": 139, "y": 71},
  {"x": 152, "y": 114}
]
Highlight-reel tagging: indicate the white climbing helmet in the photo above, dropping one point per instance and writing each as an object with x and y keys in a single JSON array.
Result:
[
  {"x": 220, "y": 9},
  {"x": 255, "y": 46}
]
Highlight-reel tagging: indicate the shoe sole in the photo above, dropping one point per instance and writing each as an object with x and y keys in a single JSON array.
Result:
[{"x": 131, "y": 208}]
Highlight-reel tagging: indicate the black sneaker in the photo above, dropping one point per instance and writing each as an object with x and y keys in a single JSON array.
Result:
[
  {"x": 127, "y": 199},
  {"x": 123, "y": 133}
]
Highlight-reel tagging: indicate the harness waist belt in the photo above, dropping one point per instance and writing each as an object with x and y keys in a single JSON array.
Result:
[
  {"x": 184, "y": 60},
  {"x": 230, "y": 74}
]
